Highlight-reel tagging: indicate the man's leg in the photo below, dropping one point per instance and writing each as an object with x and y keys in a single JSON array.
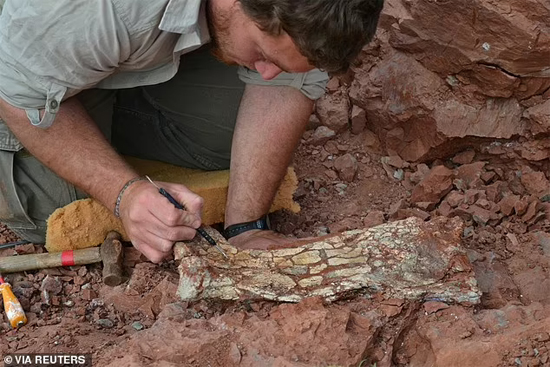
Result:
[
  {"x": 187, "y": 121},
  {"x": 29, "y": 191}
]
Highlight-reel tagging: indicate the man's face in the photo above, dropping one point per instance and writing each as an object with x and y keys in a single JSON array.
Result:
[{"x": 239, "y": 41}]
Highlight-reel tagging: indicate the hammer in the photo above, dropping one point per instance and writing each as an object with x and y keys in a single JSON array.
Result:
[{"x": 110, "y": 253}]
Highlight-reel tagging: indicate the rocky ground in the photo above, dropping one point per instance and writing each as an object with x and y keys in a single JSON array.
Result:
[
  {"x": 345, "y": 183},
  {"x": 447, "y": 113}
]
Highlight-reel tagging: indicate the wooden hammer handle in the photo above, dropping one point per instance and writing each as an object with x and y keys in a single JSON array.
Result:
[{"x": 13, "y": 264}]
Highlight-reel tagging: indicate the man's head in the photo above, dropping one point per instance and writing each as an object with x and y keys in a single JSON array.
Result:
[{"x": 271, "y": 36}]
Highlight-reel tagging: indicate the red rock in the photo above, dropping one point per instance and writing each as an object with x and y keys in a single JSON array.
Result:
[
  {"x": 508, "y": 203},
  {"x": 400, "y": 204},
  {"x": 312, "y": 124},
  {"x": 345, "y": 224},
  {"x": 444, "y": 209},
  {"x": 333, "y": 84},
  {"x": 371, "y": 140},
  {"x": 480, "y": 215},
  {"x": 358, "y": 120},
  {"x": 494, "y": 191},
  {"x": 541, "y": 337},
  {"x": 321, "y": 135},
  {"x": 464, "y": 157},
  {"x": 55, "y": 300},
  {"x": 390, "y": 310},
  {"x": 536, "y": 183},
  {"x": 425, "y": 206},
  {"x": 540, "y": 114},
  {"x": 88, "y": 294},
  {"x": 394, "y": 161},
  {"x": 394, "y": 301},
  {"x": 433, "y": 306},
  {"x": 346, "y": 166},
  {"x": 132, "y": 256},
  {"x": 454, "y": 198},
  {"x": 342, "y": 148},
  {"x": 374, "y": 218},
  {"x": 82, "y": 271},
  {"x": 537, "y": 150},
  {"x": 52, "y": 285},
  {"x": 483, "y": 203},
  {"x": 411, "y": 212},
  {"x": 531, "y": 211},
  {"x": 470, "y": 173},
  {"x": 472, "y": 195},
  {"x": 434, "y": 186},
  {"x": 488, "y": 177},
  {"x": 78, "y": 280},
  {"x": 234, "y": 354},
  {"x": 534, "y": 285},
  {"x": 331, "y": 174},
  {"x": 520, "y": 206},
  {"x": 421, "y": 171},
  {"x": 495, "y": 283},
  {"x": 331, "y": 147},
  {"x": 333, "y": 111},
  {"x": 543, "y": 240},
  {"x": 28, "y": 248},
  {"x": 311, "y": 333}
]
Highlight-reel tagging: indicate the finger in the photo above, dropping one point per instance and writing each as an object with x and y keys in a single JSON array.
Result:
[
  {"x": 167, "y": 214},
  {"x": 172, "y": 217},
  {"x": 173, "y": 234},
  {"x": 160, "y": 244},
  {"x": 168, "y": 231},
  {"x": 192, "y": 202},
  {"x": 151, "y": 253}
]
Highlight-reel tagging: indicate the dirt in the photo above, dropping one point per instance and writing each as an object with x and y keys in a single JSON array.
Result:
[{"x": 508, "y": 242}]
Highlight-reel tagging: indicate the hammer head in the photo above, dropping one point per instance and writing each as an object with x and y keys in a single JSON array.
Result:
[{"x": 111, "y": 256}]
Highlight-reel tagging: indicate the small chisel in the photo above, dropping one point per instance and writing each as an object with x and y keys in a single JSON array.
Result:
[{"x": 201, "y": 230}]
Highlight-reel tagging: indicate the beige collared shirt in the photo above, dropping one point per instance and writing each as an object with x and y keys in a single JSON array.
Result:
[{"x": 51, "y": 50}]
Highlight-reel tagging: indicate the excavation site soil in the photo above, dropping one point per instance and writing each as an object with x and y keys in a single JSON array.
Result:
[{"x": 444, "y": 116}]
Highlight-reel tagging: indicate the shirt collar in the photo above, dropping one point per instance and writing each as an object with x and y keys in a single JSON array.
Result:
[{"x": 188, "y": 18}]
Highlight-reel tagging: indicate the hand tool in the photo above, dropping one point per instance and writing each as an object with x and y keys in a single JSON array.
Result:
[
  {"x": 201, "y": 230},
  {"x": 14, "y": 310},
  {"x": 12, "y": 244},
  {"x": 110, "y": 253}
]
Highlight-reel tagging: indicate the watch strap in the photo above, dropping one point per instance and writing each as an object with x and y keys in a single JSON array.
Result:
[{"x": 236, "y": 229}]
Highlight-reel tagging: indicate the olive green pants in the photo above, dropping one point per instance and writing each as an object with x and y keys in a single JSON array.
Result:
[{"x": 187, "y": 121}]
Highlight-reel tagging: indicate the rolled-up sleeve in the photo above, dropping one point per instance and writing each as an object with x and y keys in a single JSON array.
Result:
[
  {"x": 50, "y": 50},
  {"x": 312, "y": 84}
]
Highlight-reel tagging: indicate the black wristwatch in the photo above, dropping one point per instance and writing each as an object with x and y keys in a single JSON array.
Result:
[{"x": 236, "y": 229}]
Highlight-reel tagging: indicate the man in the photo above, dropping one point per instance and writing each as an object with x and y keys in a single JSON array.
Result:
[{"x": 78, "y": 75}]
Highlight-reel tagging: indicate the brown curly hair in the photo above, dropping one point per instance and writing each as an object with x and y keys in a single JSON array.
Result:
[{"x": 330, "y": 33}]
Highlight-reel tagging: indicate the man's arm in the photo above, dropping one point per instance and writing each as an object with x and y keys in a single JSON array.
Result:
[
  {"x": 74, "y": 148},
  {"x": 270, "y": 123}
]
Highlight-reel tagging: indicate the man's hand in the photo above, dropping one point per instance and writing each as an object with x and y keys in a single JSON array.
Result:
[
  {"x": 153, "y": 223},
  {"x": 78, "y": 152},
  {"x": 260, "y": 240}
]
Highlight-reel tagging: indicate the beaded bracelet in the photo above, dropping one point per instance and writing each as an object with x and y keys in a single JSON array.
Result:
[{"x": 119, "y": 198}]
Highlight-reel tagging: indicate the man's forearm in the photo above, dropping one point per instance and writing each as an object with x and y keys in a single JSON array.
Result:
[
  {"x": 74, "y": 148},
  {"x": 270, "y": 123}
]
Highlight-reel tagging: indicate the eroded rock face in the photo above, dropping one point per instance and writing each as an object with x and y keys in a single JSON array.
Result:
[
  {"x": 304, "y": 335},
  {"x": 443, "y": 75}
]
